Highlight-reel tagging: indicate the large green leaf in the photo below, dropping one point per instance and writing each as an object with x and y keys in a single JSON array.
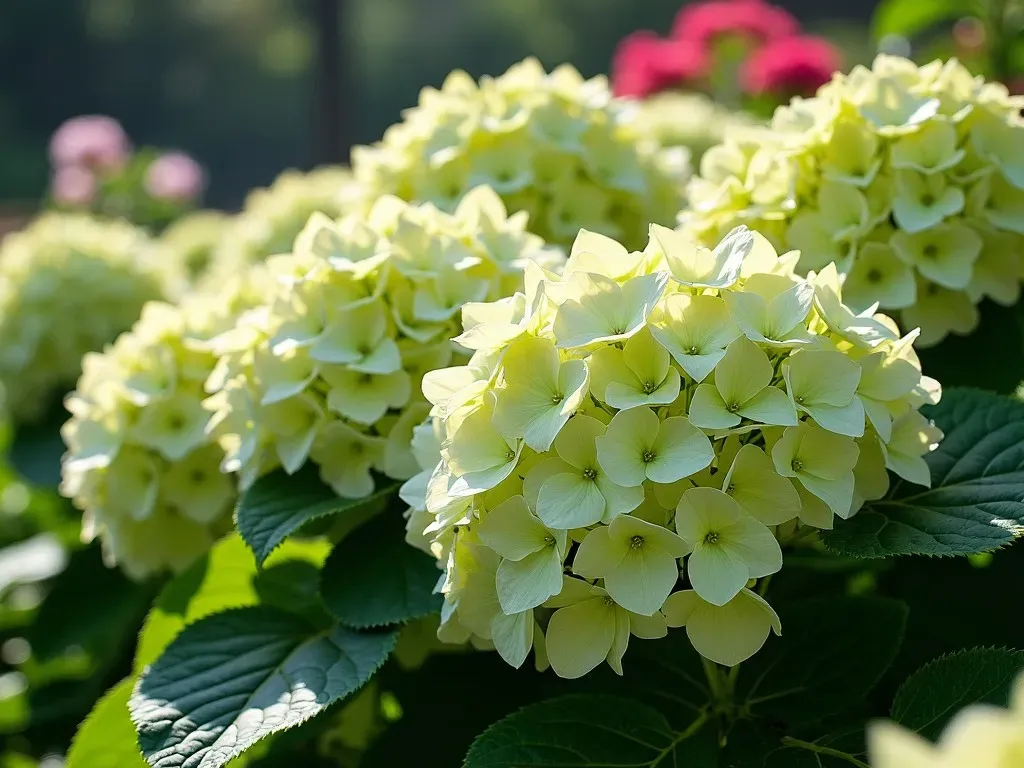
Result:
[
  {"x": 936, "y": 692},
  {"x": 976, "y": 502},
  {"x": 233, "y": 678},
  {"x": 107, "y": 739},
  {"x": 279, "y": 504},
  {"x": 591, "y": 730},
  {"x": 907, "y": 18},
  {"x": 374, "y": 578},
  {"x": 226, "y": 578},
  {"x": 831, "y": 654}
]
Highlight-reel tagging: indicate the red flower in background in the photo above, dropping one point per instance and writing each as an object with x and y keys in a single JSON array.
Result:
[
  {"x": 795, "y": 66},
  {"x": 645, "y": 63},
  {"x": 702, "y": 23}
]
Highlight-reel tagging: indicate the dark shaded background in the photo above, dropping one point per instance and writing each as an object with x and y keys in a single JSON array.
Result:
[{"x": 245, "y": 86}]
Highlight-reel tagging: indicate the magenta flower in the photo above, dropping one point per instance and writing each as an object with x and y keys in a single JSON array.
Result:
[
  {"x": 90, "y": 141},
  {"x": 175, "y": 176},
  {"x": 645, "y": 64},
  {"x": 796, "y": 66},
  {"x": 73, "y": 185},
  {"x": 703, "y": 23}
]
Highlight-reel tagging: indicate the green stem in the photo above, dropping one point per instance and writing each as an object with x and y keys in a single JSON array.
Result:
[{"x": 789, "y": 741}]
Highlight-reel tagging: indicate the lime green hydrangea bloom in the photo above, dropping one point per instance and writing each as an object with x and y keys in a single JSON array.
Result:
[
  {"x": 193, "y": 239},
  {"x": 979, "y": 736},
  {"x": 633, "y": 440},
  {"x": 140, "y": 463},
  {"x": 68, "y": 285},
  {"x": 690, "y": 121},
  {"x": 273, "y": 217},
  {"x": 554, "y": 145},
  {"x": 329, "y": 368},
  {"x": 908, "y": 178}
]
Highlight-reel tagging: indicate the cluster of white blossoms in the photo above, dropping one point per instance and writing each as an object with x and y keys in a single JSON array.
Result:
[
  {"x": 272, "y": 217},
  {"x": 97, "y": 274},
  {"x": 692, "y": 121},
  {"x": 909, "y": 178},
  {"x": 979, "y": 736},
  {"x": 140, "y": 464},
  {"x": 192, "y": 241},
  {"x": 328, "y": 369},
  {"x": 554, "y": 145},
  {"x": 645, "y": 410}
]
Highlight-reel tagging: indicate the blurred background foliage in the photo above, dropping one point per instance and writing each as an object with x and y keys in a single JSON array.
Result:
[{"x": 235, "y": 82}]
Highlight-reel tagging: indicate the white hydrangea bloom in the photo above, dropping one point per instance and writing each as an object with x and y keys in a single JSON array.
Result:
[
  {"x": 908, "y": 178},
  {"x": 69, "y": 284},
  {"x": 140, "y": 463},
  {"x": 328, "y": 369},
  {"x": 552, "y": 144},
  {"x": 632, "y": 439}
]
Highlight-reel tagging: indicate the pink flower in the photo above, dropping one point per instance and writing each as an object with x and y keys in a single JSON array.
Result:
[
  {"x": 175, "y": 176},
  {"x": 645, "y": 63},
  {"x": 73, "y": 185},
  {"x": 703, "y": 22},
  {"x": 796, "y": 66},
  {"x": 92, "y": 141}
]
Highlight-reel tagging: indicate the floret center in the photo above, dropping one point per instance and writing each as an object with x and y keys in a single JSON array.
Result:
[
  {"x": 637, "y": 542},
  {"x": 797, "y": 465},
  {"x": 711, "y": 537},
  {"x": 590, "y": 474},
  {"x": 648, "y": 456},
  {"x": 930, "y": 251}
]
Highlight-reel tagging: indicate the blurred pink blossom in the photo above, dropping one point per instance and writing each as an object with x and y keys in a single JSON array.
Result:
[
  {"x": 92, "y": 141},
  {"x": 175, "y": 176},
  {"x": 703, "y": 22},
  {"x": 794, "y": 66},
  {"x": 645, "y": 64},
  {"x": 73, "y": 185}
]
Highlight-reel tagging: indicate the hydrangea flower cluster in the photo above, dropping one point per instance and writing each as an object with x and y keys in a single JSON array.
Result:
[
  {"x": 689, "y": 120},
  {"x": 272, "y": 217},
  {"x": 329, "y": 369},
  {"x": 140, "y": 464},
  {"x": 980, "y": 736},
  {"x": 193, "y": 240},
  {"x": 554, "y": 145},
  {"x": 97, "y": 273},
  {"x": 643, "y": 410},
  {"x": 908, "y": 178}
]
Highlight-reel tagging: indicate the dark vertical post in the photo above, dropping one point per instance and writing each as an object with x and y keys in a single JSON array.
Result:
[{"x": 332, "y": 92}]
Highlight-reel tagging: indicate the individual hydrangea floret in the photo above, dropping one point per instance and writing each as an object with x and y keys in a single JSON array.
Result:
[
  {"x": 329, "y": 368},
  {"x": 980, "y": 736},
  {"x": 273, "y": 217},
  {"x": 634, "y": 441},
  {"x": 554, "y": 145},
  {"x": 908, "y": 178},
  {"x": 68, "y": 285}
]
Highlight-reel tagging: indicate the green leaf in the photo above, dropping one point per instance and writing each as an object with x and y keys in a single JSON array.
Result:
[
  {"x": 107, "y": 739},
  {"x": 226, "y": 578},
  {"x": 374, "y": 577},
  {"x": 36, "y": 448},
  {"x": 910, "y": 17},
  {"x": 976, "y": 502},
  {"x": 591, "y": 730},
  {"x": 831, "y": 654},
  {"x": 279, "y": 504},
  {"x": 233, "y": 678},
  {"x": 936, "y": 692}
]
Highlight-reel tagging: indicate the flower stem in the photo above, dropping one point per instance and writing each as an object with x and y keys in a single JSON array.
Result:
[{"x": 789, "y": 741}]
